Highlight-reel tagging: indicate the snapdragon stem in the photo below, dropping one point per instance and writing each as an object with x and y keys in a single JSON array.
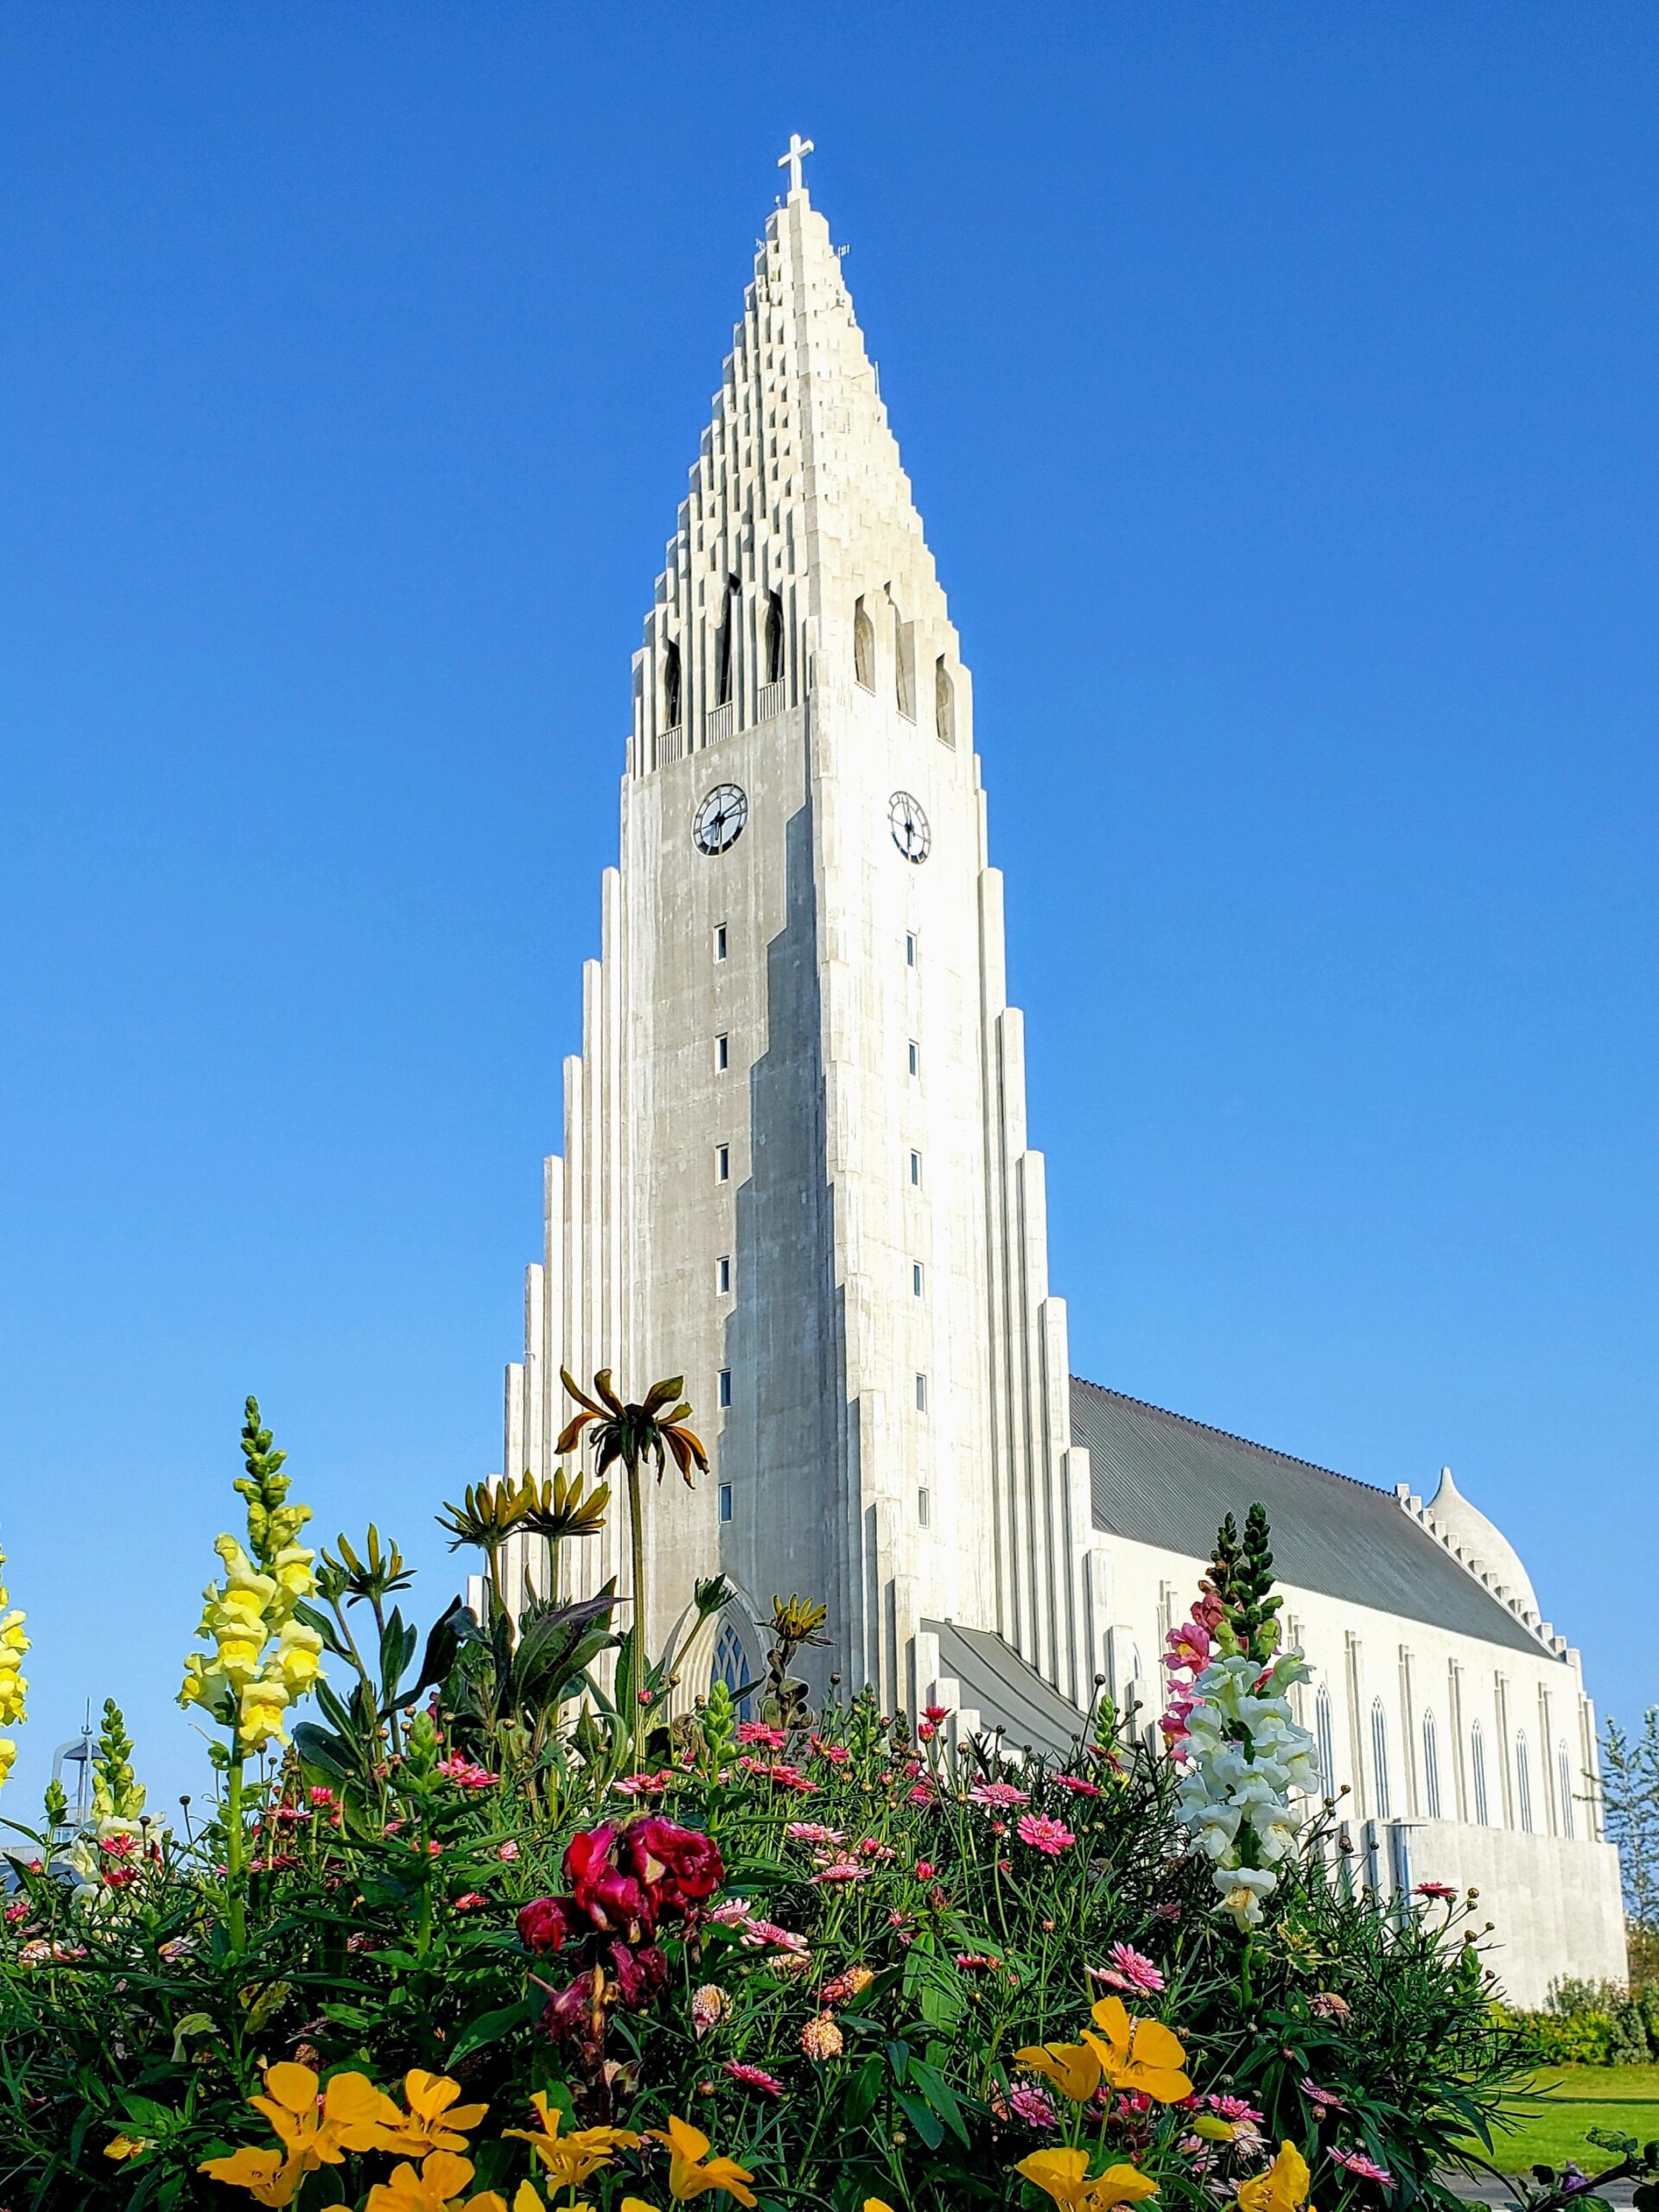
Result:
[{"x": 235, "y": 1851}]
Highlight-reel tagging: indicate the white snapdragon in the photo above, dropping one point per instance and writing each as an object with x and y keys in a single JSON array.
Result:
[{"x": 1242, "y": 1755}]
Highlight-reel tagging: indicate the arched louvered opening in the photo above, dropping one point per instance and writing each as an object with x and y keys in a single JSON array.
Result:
[
  {"x": 1380, "y": 1759},
  {"x": 863, "y": 647},
  {"x": 726, "y": 643},
  {"x": 1431, "y": 1767},
  {"x": 902, "y": 688},
  {"x": 672, "y": 709},
  {"x": 774, "y": 637},
  {"x": 944, "y": 702}
]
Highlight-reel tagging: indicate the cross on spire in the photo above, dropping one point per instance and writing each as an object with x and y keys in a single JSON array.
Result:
[{"x": 800, "y": 148}]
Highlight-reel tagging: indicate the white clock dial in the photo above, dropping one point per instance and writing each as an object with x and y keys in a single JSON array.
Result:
[
  {"x": 909, "y": 826},
  {"x": 718, "y": 823}
]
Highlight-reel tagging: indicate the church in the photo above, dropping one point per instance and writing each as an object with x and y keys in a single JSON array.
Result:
[{"x": 796, "y": 1169}]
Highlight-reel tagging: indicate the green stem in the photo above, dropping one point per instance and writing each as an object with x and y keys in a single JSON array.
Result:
[
  {"x": 235, "y": 1845},
  {"x": 636, "y": 1546}
]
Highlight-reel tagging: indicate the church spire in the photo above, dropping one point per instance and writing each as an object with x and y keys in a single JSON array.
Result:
[{"x": 798, "y": 508}]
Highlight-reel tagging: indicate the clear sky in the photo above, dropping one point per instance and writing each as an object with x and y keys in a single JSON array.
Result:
[{"x": 1278, "y": 387}]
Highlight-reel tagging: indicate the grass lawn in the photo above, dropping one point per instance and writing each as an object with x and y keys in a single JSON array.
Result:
[{"x": 1579, "y": 2097}]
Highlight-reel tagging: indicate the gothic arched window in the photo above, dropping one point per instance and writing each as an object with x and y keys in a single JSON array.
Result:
[
  {"x": 1523, "y": 1780},
  {"x": 1478, "y": 1771},
  {"x": 1380, "y": 1756},
  {"x": 863, "y": 647},
  {"x": 945, "y": 704},
  {"x": 1431, "y": 1767},
  {"x": 671, "y": 686},
  {"x": 1327, "y": 1740},
  {"x": 1564, "y": 1785},
  {"x": 774, "y": 638},
  {"x": 901, "y": 686},
  {"x": 731, "y": 1664}
]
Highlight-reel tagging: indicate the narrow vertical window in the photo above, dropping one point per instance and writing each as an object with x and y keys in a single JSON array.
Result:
[
  {"x": 723, "y": 1055},
  {"x": 945, "y": 704},
  {"x": 921, "y": 1393},
  {"x": 1327, "y": 1740},
  {"x": 722, "y": 1163},
  {"x": 863, "y": 647},
  {"x": 725, "y": 1386},
  {"x": 915, "y": 1168},
  {"x": 726, "y": 642},
  {"x": 916, "y": 1278},
  {"x": 924, "y": 1509},
  {"x": 671, "y": 686},
  {"x": 901, "y": 666},
  {"x": 1523, "y": 1780},
  {"x": 915, "y": 1058},
  {"x": 1380, "y": 1756},
  {"x": 1431, "y": 1767},
  {"x": 774, "y": 638},
  {"x": 720, "y": 940},
  {"x": 910, "y": 948},
  {"x": 723, "y": 1274},
  {"x": 725, "y": 1501},
  {"x": 1564, "y": 1786},
  {"x": 1477, "y": 1772}
]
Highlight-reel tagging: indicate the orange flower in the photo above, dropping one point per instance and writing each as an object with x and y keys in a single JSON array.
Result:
[
  {"x": 691, "y": 2171},
  {"x": 1140, "y": 2055},
  {"x": 435, "y": 2188},
  {"x": 434, "y": 2121},
  {"x": 1074, "y": 2067},
  {"x": 268, "y": 2176},
  {"x": 1064, "y": 2175},
  {"x": 317, "y": 2128},
  {"x": 571, "y": 2159}
]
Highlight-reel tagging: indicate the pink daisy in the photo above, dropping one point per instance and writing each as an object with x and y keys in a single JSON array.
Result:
[
  {"x": 1130, "y": 1970},
  {"x": 1356, "y": 2161},
  {"x": 1049, "y": 1837},
  {"x": 997, "y": 1795},
  {"x": 1442, "y": 1892},
  {"x": 1033, "y": 2107},
  {"x": 812, "y": 1832},
  {"x": 1076, "y": 1785},
  {"x": 754, "y": 2077},
  {"x": 1326, "y": 2099},
  {"x": 757, "y": 1732}
]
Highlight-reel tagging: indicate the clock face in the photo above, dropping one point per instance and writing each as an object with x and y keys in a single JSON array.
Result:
[
  {"x": 718, "y": 823},
  {"x": 909, "y": 825}
]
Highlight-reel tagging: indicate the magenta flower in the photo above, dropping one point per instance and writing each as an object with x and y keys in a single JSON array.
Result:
[
  {"x": 466, "y": 1773},
  {"x": 998, "y": 1795},
  {"x": 1049, "y": 1837},
  {"x": 757, "y": 1732},
  {"x": 812, "y": 1832},
  {"x": 842, "y": 1870},
  {"x": 1442, "y": 1892},
  {"x": 1131, "y": 1971},
  {"x": 754, "y": 2077},
  {"x": 1356, "y": 2161},
  {"x": 1076, "y": 1785},
  {"x": 1032, "y": 2107},
  {"x": 1325, "y": 2100}
]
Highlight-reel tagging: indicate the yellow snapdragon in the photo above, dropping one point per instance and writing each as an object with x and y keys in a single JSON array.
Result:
[
  {"x": 13, "y": 1688},
  {"x": 259, "y": 1658}
]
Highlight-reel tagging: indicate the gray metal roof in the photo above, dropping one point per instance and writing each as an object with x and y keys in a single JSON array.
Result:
[
  {"x": 1006, "y": 1689},
  {"x": 1163, "y": 1479}
]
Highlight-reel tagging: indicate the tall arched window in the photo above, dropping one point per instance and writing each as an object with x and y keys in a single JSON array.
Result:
[
  {"x": 863, "y": 647},
  {"x": 1431, "y": 1767},
  {"x": 670, "y": 685},
  {"x": 945, "y": 704},
  {"x": 774, "y": 638},
  {"x": 1523, "y": 1780},
  {"x": 1478, "y": 1771},
  {"x": 731, "y": 1663},
  {"x": 726, "y": 644},
  {"x": 901, "y": 687},
  {"x": 1564, "y": 1785},
  {"x": 1380, "y": 1756},
  {"x": 1327, "y": 1740}
]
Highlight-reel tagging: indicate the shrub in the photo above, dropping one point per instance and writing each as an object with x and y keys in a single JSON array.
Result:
[{"x": 452, "y": 1937}]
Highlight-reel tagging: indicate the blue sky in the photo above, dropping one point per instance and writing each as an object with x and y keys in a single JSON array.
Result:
[{"x": 1277, "y": 384}]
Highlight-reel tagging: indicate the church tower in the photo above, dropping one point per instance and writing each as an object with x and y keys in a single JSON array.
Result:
[{"x": 795, "y": 1165}]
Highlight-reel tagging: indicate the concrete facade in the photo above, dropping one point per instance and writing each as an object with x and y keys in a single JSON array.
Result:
[{"x": 795, "y": 1170}]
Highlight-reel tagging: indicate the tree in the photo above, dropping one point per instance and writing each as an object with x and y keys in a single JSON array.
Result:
[{"x": 1630, "y": 1784}]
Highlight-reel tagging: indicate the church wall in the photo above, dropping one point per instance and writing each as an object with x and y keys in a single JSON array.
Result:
[{"x": 1461, "y": 1726}]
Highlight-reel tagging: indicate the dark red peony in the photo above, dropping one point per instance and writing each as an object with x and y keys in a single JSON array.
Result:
[
  {"x": 548, "y": 1923},
  {"x": 678, "y": 1866}
]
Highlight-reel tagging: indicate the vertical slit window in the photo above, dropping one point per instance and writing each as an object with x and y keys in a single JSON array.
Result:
[
  {"x": 723, "y": 1274},
  {"x": 1380, "y": 1756},
  {"x": 723, "y": 1054},
  {"x": 924, "y": 1509},
  {"x": 672, "y": 709},
  {"x": 1564, "y": 1785},
  {"x": 915, "y": 1058},
  {"x": 915, "y": 1168},
  {"x": 1326, "y": 1738},
  {"x": 720, "y": 940},
  {"x": 1431, "y": 1767},
  {"x": 725, "y": 1386},
  {"x": 916, "y": 1278},
  {"x": 910, "y": 948},
  {"x": 921, "y": 1393},
  {"x": 945, "y": 704},
  {"x": 722, "y": 1163},
  {"x": 863, "y": 647},
  {"x": 1523, "y": 1780},
  {"x": 1478, "y": 1771},
  {"x": 774, "y": 638}
]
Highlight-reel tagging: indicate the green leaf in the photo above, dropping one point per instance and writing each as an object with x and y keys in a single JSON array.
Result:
[
  {"x": 921, "y": 2118},
  {"x": 192, "y": 2024},
  {"x": 860, "y": 2101},
  {"x": 490, "y": 2027},
  {"x": 899, "y": 2059},
  {"x": 939, "y": 2094}
]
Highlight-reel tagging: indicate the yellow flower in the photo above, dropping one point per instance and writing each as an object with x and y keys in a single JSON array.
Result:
[
  {"x": 433, "y": 2121},
  {"x": 435, "y": 2188},
  {"x": 1283, "y": 2188},
  {"x": 691, "y": 2171},
  {"x": 125, "y": 2147},
  {"x": 1074, "y": 2067},
  {"x": 1140, "y": 2055},
  {"x": 570, "y": 2158},
  {"x": 318, "y": 2129},
  {"x": 13, "y": 1688},
  {"x": 1064, "y": 2175},
  {"x": 877, "y": 2204},
  {"x": 268, "y": 2176},
  {"x": 1212, "y": 2129}
]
